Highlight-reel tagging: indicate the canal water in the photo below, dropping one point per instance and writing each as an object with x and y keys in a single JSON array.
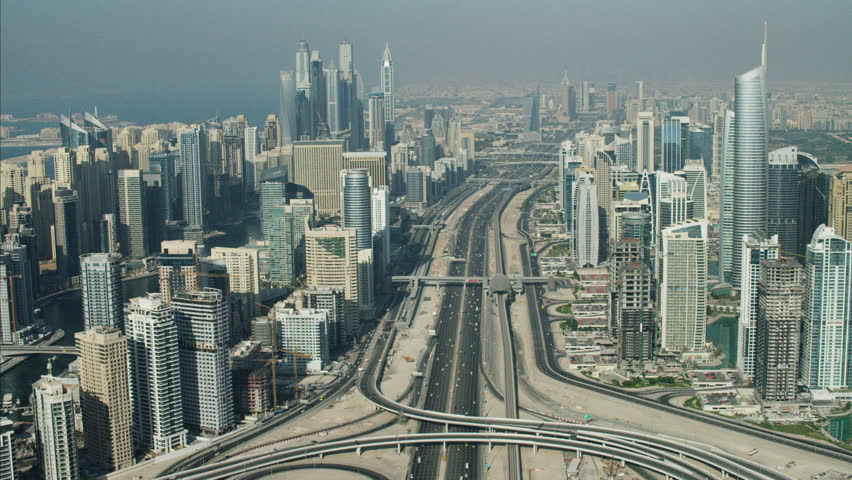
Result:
[
  {"x": 723, "y": 333},
  {"x": 65, "y": 312}
]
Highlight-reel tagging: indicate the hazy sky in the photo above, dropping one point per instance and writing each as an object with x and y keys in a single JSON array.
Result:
[{"x": 156, "y": 50}]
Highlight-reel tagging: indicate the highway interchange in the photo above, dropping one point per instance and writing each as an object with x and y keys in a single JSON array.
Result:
[{"x": 451, "y": 444}]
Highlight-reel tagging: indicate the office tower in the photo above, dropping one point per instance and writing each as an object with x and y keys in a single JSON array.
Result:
[
  {"x": 374, "y": 162},
  {"x": 319, "y": 125},
  {"x": 192, "y": 176},
  {"x": 400, "y": 159},
  {"x": 332, "y": 261},
  {"x": 750, "y": 159},
  {"x": 565, "y": 90},
  {"x": 387, "y": 79},
  {"x": 103, "y": 292},
  {"x": 66, "y": 232},
  {"x": 165, "y": 163},
  {"x": 7, "y": 449},
  {"x": 696, "y": 184},
  {"x": 624, "y": 152},
  {"x": 380, "y": 223},
  {"x": 317, "y": 165},
  {"x": 287, "y": 227},
  {"x": 532, "y": 122},
  {"x": 840, "y": 203},
  {"x": 428, "y": 147},
  {"x": 683, "y": 286},
  {"x": 776, "y": 359},
  {"x": 95, "y": 184},
  {"x": 345, "y": 60},
  {"x": 333, "y": 101},
  {"x": 203, "y": 338},
  {"x": 53, "y": 418},
  {"x": 782, "y": 202},
  {"x": 586, "y": 96},
  {"x": 827, "y": 325},
  {"x": 674, "y": 152},
  {"x": 39, "y": 197},
  {"x": 726, "y": 201},
  {"x": 602, "y": 163},
  {"x": 611, "y": 100},
  {"x": 355, "y": 190},
  {"x": 814, "y": 197},
  {"x": 569, "y": 162},
  {"x": 152, "y": 345},
  {"x": 304, "y": 331},
  {"x": 303, "y": 65},
  {"x": 131, "y": 230},
  {"x": 331, "y": 300},
  {"x": 376, "y": 117},
  {"x": 755, "y": 249},
  {"x": 287, "y": 105},
  {"x": 586, "y": 219},
  {"x": 105, "y": 397},
  {"x": 72, "y": 134},
  {"x": 417, "y": 186},
  {"x": 640, "y": 90},
  {"x": 178, "y": 268},
  {"x": 272, "y": 194}
]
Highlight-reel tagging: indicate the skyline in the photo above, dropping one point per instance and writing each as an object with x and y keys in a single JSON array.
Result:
[{"x": 470, "y": 45}]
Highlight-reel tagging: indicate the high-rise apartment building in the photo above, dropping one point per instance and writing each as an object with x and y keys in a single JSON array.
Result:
[
  {"x": 827, "y": 325},
  {"x": 380, "y": 224},
  {"x": 756, "y": 249},
  {"x": 840, "y": 203},
  {"x": 287, "y": 227},
  {"x": 376, "y": 118},
  {"x": 7, "y": 450},
  {"x": 633, "y": 284},
  {"x": 332, "y": 261},
  {"x": 272, "y": 194},
  {"x": 103, "y": 292},
  {"x": 203, "y": 338},
  {"x": 105, "y": 397},
  {"x": 152, "y": 345},
  {"x": 750, "y": 159},
  {"x": 287, "y": 116},
  {"x": 131, "y": 214},
  {"x": 331, "y": 300},
  {"x": 56, "y": 440},
  {"x": 683, "y": 286},
  {"x": 317, "y": 165},
  {"x": 192, "y": 145},
  {"x": 178, "y": 268},
  {"x": 780, "y": 294},
  {"x": 696, "y": 183}
]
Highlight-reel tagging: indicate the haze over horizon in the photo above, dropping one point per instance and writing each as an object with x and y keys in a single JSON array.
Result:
[{"x": 159, "y": 52}]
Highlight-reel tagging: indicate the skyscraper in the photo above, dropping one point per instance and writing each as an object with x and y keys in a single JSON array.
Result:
[
  {"x": 674, "y": 151},
  {"x": 633, "y": 285},
  {"x": 750, "y": 159},
  {"x": 17, "y": 287},
  {"x": 782, "y": 200},
  {"x": 105, "y": 397},
  {"x": 569, "y": 162},
  {"x": 755, "y": 249},
  {"x": 7, "y": 449},
  {"x": 840, "y": 203},
  {"x": 272, "y": 194},
  {"x": 192, "y": 175},
  {"x": 243, "y": 267},
  {"x": 56, "y": 439},
  {"x": 203, "y": 337},
  {"x": 776, "y": 358},
  {"x": 376, "y": 116},
  {"x": 386, "y": 78},
  {"x": 103, "y": 292},
  {"x": 586, "y": 218},
  {"x": 827, "y": 326},
  {"x": 696, "y": 183},
  {"x": 287, "y": 105},
  {"x": 355, "y": 190},
  {"x": 303, "y": 65},
  {"x": 375, "y": 162},
  {"x": 683, "y": 286},
  {"x": 333, "y": 100},
  {"x": 152, "y": 343},
  {"x": 131, "y": 229},
  {"x": 332, "y": 261},
  {"x": 317, "y": 165},
  {"x": 331, "y": 300},
  {"x": 532, "y": 122},
  {"x": 726, "y": 201},
  {"x": 66, "y": 231},
  {"x": 178, "y": 268},
  {"x": 287, "y": 227},
  {"x": 380, "y": 224}
]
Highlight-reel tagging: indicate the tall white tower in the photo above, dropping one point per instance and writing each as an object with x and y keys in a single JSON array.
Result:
[{"x": 387, "y": 79}]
